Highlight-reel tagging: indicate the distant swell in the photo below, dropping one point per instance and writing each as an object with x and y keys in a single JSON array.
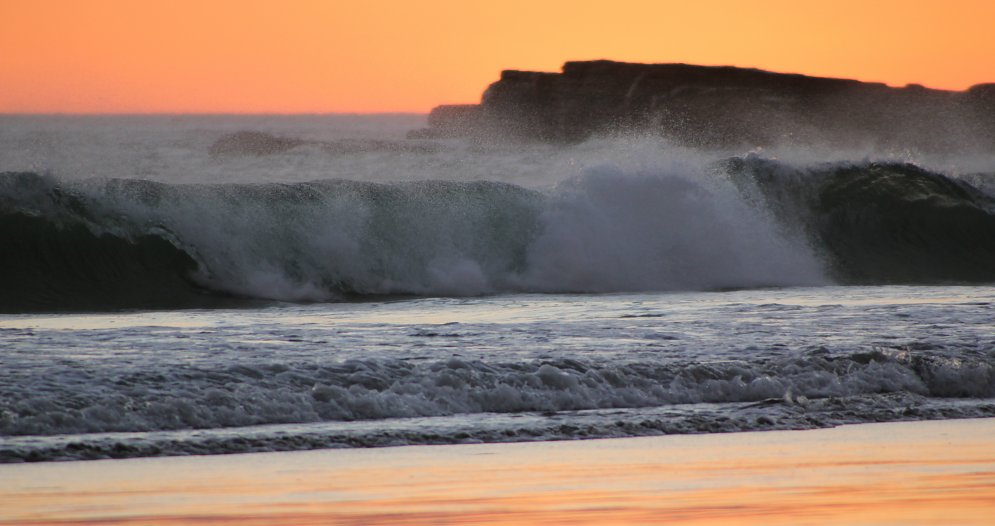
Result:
[{"x": 744, "y": 222}]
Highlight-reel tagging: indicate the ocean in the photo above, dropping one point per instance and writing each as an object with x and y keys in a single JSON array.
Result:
[{"x": 176, "y": 285}]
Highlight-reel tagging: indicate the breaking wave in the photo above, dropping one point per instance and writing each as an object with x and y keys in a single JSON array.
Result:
[
  {"x": 879, "y": 223},
  {"x": 744, "y": 222}
]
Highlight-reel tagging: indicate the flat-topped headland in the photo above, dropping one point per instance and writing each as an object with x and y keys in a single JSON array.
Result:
[{"x": 719, "y": 106}]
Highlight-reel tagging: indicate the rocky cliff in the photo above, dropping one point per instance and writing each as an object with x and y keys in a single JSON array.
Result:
[{"x": 719, "y": 107}]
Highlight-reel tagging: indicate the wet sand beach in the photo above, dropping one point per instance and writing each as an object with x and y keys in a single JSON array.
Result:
[{"x": 932, "y": 472}]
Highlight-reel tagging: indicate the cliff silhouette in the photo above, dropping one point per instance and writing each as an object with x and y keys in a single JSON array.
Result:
[{"x": 719, "y": 106}]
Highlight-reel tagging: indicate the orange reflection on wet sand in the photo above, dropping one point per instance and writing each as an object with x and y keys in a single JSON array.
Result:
[{"x": 900, "y": 473}]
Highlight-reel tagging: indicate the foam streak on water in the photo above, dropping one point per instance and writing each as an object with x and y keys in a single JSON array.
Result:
[{"x": 492, "y": 369}]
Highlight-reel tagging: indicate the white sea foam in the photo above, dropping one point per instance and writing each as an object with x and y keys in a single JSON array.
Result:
[{"x": 375, "y": 389}]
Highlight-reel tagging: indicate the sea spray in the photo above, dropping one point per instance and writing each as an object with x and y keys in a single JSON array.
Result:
[{"x": 615, "y": 230}]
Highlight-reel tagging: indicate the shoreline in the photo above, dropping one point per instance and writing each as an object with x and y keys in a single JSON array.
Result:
[{"x": 926, "y": 472}]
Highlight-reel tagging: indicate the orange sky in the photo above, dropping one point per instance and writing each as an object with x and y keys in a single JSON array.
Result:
[{"x": 289, "y": 56}]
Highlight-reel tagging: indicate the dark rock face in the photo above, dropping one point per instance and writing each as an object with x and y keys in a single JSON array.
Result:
[
  {"x": 719, "y": 107},
  {"x": 260, "y": 143},
  {"x": 253, "y": 143},
  {"x": 450, "y": 120},
  {"x": 981, "y": 102}
]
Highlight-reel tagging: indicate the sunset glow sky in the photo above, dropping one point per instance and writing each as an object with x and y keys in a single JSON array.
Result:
[{"x": 253, "y": 56}]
